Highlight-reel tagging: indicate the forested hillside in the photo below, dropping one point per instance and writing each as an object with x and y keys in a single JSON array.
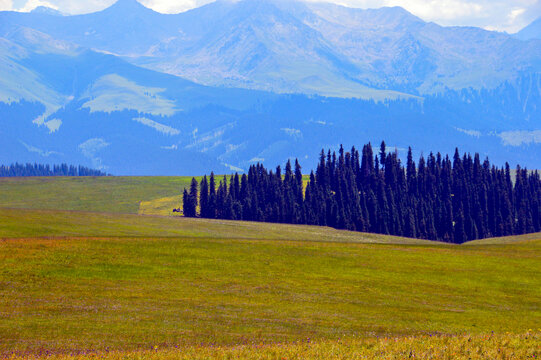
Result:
[{"x": 18, "y": 170}]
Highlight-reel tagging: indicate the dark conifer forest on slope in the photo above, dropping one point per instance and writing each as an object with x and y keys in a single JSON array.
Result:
[
  {"x": 20, "y": 170},
  {"x": 439, "y": 198}
]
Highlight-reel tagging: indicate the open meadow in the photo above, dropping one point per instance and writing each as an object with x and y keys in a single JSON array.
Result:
[
  {"x": 99, "y": 194},
  {"x": 84, "y": 274}
]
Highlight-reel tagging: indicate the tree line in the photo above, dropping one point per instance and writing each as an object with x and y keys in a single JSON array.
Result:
[
  {"x": 20, "y": 170},
  {"x": 438, "y": 198}
]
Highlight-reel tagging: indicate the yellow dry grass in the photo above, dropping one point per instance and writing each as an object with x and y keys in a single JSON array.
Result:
[
  {"x": 161, "y": 207},
  {"x": 441, "y": 347}
]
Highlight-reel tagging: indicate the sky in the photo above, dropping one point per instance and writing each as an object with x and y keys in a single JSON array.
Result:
[{"x": 499, "y": 15}]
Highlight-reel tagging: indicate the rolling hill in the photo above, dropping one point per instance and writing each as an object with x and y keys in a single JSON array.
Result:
[
  {"x": 115, "y": 285},
  {"x": 83, "y": 276}
]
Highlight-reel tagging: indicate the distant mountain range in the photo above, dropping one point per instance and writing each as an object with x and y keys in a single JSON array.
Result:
[
  {"x": 530, "y": 32},
  {"x": 132, "y": 91}
]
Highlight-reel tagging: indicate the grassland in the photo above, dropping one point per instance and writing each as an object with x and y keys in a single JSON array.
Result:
[
  {"x": 225, "y": 284},
  {"x": 127, "y": 195},
  {"x": 440, "y": 347},
  {"x": 24, "y": 223},
  {"x": 99, "y": 194},
  {"x": 127, "y": 286}
]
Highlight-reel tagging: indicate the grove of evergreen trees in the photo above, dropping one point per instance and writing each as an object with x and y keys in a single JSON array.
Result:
[
  {"x": 452, "y": 200},
  {"x": 19, "y": 170}
]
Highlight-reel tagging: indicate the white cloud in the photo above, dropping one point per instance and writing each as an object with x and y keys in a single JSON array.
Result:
[
  {"x": 515, "y": 14},
  {"x": 32, "y": 4},
  {"x": 6, "y": 5},
  {"x": 501, "y": 15},
  {"x": 172, "y": 7},
  {"x": 87, "y": 6},
  {"x": 440, "y": 9}
]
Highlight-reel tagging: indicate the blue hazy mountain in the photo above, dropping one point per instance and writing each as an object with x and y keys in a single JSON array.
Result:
[
  {"x": 292, "y": 46},
  {"x": 132, "y": 91},
  {"x": 59, "y": 101},
  {"x": 531, "y": 32}
]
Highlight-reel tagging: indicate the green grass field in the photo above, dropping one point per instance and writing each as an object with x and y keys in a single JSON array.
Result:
[
  {"x": 127, "y": 195},
  {"x": 99, "y": 194},
  {"x": 125, "y": 286}
]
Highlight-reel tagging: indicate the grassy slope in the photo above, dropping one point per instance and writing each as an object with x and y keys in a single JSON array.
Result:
[
  {"x": 463, "y": 347},
  {"x": 23, "y": 223},
  {"x": 506, "y": 240},
  {"x": 78, "y": 280},
  {"x": 129, "y": 195},
  {"x": 180, "y": 281},
  {"x": 100, "y": 194}
]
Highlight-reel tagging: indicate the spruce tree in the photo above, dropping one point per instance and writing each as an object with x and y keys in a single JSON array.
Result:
[
  {"x": 211, "y": 209},
  {"x": 187, "y": 204},
  {"x": 193, "y": 197},
  {"x": 204, "y": 198}
]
